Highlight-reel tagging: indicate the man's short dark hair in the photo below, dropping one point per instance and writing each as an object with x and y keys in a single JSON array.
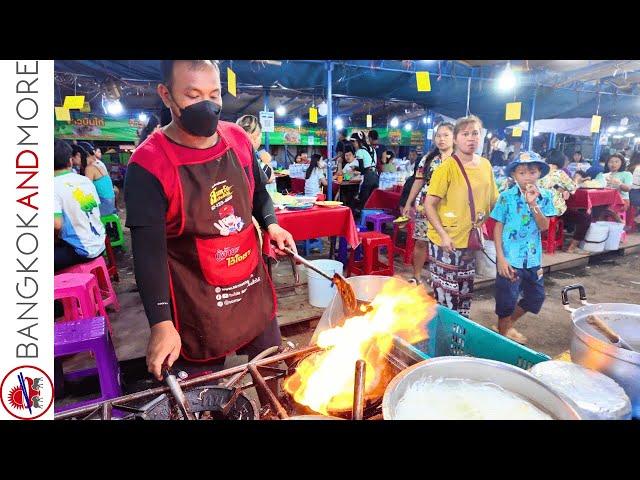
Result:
[
  {"x": 349, "y": 148},
  {"x": 61, "y": 154},
  {"x": 166, "y": 68},
  {"x": 373, "y": 134}
]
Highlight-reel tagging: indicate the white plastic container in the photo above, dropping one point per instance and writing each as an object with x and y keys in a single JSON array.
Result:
[
  {"x": 484, "y": 266},
  {"x": 321, "y": 290},
  {"x": 616, "y": 230},
  {"x": 595, "y": 238}
]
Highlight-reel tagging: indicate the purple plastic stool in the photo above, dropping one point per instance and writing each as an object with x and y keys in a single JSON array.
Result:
[
  {"x": 378, "y": 220},
  {"x": 89, "y": 334}
]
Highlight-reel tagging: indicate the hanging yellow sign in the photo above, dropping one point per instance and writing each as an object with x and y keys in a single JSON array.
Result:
[
  {"x": 73, "y": 102},
  {"x": 595, "y": 123},
  {"x": 231, "y": 82},
  {"x": 423, "y": 81},
  {"x": 313, "y": 115},
  {"x": 63, "y": 114},
  {"x": 369, "y": 121},
  {"x": 86, "y": 108},
  {"x": 517, "y": 132},
  {"x": 513, "y": 111}
]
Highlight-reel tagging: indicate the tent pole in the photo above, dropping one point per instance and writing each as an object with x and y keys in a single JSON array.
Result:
[
  {"x": 266, "y": 109},
  {"x": 468, "y": 94},
  {"x": 532, "y": 120},
  {"x": 552, "y": 140},
  {"x": 427, "y": 141},
  {"x": 597, "y": 147},
  {"x": 330, "y": 146}
]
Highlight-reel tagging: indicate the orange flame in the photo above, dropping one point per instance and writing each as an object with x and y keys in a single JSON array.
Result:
[{"x": 324, "y": 381}]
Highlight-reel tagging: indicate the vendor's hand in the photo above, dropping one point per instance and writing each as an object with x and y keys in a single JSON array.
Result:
[
  {"x": 566, "y": 194},
  {"x": 164, "y": 343},
  {"x": 531, "y": 194},
  {"x": 614, "y": 181},
  {"x": 282, "y": 238},
  {"x": 506, "y": 270},
  {"x": 447, "y": 244}
]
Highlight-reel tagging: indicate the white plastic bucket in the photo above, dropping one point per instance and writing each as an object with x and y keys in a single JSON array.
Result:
[
  {"x": 321, "y": 290},
  {"x": 616, "y": 230},
  {"x": 595, "y": 238},
  {"x": 484, "y": 266}
]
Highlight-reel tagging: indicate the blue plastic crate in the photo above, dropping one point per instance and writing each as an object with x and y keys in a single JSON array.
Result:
[{"x": 452, "y": 334}]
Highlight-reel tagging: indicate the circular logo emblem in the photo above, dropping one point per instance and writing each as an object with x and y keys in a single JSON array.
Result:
[{"x": 26, "y": 392}]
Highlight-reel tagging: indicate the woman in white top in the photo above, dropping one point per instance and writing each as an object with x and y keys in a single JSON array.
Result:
[
  {"x": 367, "y": 165},
  {"x": 315, "y": 178}
]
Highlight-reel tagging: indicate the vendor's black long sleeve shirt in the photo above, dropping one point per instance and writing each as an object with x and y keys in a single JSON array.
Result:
[{"x": 146, "y": 217}]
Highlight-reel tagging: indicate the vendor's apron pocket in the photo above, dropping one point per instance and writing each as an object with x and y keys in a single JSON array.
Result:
[{"x": 227, "y": 260}]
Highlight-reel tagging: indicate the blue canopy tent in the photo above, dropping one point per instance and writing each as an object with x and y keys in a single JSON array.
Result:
[{"x": 386, "y": 87}]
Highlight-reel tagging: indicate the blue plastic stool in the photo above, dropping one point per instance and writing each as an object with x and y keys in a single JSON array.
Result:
[
  {"x": 306, "y": 246},
  {"x": 365, "y": 213},
  {"x": 343, "y": 249}
]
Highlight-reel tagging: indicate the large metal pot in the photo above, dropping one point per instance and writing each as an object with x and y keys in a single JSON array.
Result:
[
  {"x": 509, "y": 377},
  {"x": 591, "y": 349}
]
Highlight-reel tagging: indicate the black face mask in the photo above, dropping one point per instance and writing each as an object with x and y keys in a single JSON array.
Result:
[{"x": 200, "y": 119}]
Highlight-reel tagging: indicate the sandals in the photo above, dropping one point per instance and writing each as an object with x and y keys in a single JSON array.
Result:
[
  {"x": 414, "y": 281},
  {"x": 512, "y": 334}
]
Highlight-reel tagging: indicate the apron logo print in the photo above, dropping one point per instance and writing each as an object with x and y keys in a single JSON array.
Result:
[
  {"x": 222, "y": 255},
  {"x": 238, "y": 258},
  {"x": 220, "y": 193},
  {"x": 229, "y": 223}
]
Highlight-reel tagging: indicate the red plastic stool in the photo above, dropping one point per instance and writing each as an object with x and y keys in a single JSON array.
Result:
[
  {"x": 631, "y": 225},
  {"x": 112, "y": 267},
  {"x": 405, "y": 250},
  {"x": 98, "y": 268},
  {"x": 553, "y": 238},
  {"x": 370, "y": 264},
  {"x": 80, "y": 296}
]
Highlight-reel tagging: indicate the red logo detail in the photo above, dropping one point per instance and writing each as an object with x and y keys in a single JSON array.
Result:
[{"x": 25, "y": 395}]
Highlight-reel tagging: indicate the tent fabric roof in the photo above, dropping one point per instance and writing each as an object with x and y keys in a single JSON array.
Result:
[{"x": 392, "y": 81}]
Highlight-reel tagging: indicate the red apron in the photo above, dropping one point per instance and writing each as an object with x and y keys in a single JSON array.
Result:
[{"x": 221, "y": 293}]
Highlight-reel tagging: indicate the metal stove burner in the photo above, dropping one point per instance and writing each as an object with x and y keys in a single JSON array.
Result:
[{"x": 207, "y": 403}]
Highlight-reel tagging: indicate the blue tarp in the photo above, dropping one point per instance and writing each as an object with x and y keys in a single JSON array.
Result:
[{"x": 387, "y": 80}]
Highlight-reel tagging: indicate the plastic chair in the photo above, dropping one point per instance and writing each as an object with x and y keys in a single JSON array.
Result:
[
  {"x": 370, "y": 264},
  {"x": 110, "y": 259},
  {"x": 553, "y": 238},
  {"x": 365, "y": 213},
  {"x": 89, "y": 334},
  {"x": 80, "y": 296},
  {"x": 98, "y": 268},
  {"x": 405, "y": 250},
  {"x": 379, "y": 220},
  {"x": 114, "y": 219}
]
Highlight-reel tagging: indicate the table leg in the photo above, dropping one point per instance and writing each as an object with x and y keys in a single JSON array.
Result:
[{"x": 332, "y": 247}]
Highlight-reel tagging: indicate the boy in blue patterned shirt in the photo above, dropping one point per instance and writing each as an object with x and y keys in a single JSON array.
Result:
[{"x": 521, "y": 214}]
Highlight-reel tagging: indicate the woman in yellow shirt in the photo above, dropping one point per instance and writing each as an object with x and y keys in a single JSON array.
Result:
[{"x": 452, "y": 264}]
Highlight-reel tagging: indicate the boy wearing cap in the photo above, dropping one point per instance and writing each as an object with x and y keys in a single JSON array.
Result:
[{"x": 521, "y": 215}]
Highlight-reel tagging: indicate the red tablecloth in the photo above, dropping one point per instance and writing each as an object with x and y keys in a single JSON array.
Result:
[
  {"x": 317, "y": 222},
  {"x": 587, "y": 198},
  {"x": 384, "y": 199}
]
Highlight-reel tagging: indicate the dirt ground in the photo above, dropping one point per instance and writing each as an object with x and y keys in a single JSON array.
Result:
[{"x": 613, "y": 278}]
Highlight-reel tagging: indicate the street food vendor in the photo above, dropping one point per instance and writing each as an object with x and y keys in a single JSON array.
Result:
[{"x": 191, "y": 190}]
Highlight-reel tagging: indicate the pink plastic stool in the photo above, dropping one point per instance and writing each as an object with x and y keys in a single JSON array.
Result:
[
  {"x": 80, "y": 296},
  {"x": 98, "y": 268}
]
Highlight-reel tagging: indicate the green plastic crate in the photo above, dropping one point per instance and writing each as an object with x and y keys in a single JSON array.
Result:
[{"x": 452, "y": 334}]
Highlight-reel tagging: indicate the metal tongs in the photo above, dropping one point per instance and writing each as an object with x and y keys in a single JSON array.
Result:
[
  {"x": 178, "y": 394},
  {"x": 350, "y": 304}
]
